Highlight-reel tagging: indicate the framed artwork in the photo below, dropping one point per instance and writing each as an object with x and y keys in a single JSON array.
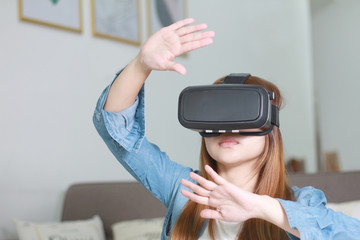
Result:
[
  {"x": 118, "y": 20},
  {"x": 62, "y": 14},
  {"x": 162, "y": 13}
]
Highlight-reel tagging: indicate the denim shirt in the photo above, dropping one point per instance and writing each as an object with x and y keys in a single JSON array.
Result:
[{"x": 124, "y": 134}]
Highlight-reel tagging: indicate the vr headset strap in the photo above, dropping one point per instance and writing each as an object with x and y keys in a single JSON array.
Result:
[
  {"x": 236, "y": 78},
  {"x": 275, "y": 115}
]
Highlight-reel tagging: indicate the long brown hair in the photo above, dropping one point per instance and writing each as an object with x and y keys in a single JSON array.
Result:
[{"x": 271, "y": 181}]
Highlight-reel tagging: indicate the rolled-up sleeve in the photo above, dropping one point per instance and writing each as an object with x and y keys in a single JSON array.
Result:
[
  {"x": 309, "y": 215},
  {"x": 126, "y": 127},
  {"x": 124, "y": 135}
]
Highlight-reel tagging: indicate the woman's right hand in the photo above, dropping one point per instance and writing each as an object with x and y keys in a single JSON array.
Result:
[
  {"x": 160, "y": 50},
  {"x": 157, "y": 53}
]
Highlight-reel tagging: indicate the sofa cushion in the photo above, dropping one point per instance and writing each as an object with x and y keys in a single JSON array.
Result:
[
  {"x": 149, "y": 229},
  {"x": 90, "y": 229}
]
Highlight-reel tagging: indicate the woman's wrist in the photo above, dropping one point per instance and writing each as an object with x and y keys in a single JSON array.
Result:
[
  {"x": 125, "y": 88},
  {"x": 140, "y": 64},
  {"x": 260, "y": 207},
  {"x": 271, "y": 210},
  {"x": 268, "y": 206}
]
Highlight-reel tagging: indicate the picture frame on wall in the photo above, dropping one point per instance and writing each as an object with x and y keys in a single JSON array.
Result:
[
  {"x": 162, "y": 13},
  {"x": 61, "y": 14},
  {"x": 118, "y": 20}
]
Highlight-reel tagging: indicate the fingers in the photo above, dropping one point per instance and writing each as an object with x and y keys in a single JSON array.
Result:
[
  {"x": 209, "y": 185},
  {"x": 187, "y": 47},
  {"x": 206, "y": 213},
  {"x": 191, "y": 29},
  {"x": 191, "y": 39},
  {"x": 205, "y": 185},
  {"x": 181, "y": 23},
  {"x": 200, "y": 193},
  {"x": 194, "y": 197},
  {"x": 211, "y": 214},
  {"x": 216, "y": 177},
  {"x": 177, "y": 39},
  {"x": 177, "y": 67},
  {"x": 197, "y": 36},
  {"x": 194, "y": 41},
  {"x": 190, "y": 36},
  {"x": 195, "y": 188}
]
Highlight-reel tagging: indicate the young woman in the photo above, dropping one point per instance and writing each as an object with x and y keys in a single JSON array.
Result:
[{"x": 240, "y": 191}]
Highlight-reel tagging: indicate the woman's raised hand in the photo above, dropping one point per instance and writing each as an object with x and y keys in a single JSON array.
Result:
[
  {"x": 227, "y": 202},
  {"x": 160, "y": 50}
]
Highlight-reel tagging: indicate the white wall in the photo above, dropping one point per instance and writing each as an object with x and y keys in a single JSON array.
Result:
[
  {"x": 50, "y": 80},
  {"x": 336, "y": 44}
]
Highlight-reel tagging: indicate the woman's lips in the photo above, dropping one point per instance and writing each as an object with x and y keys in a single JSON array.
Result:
[{"x": 228, "y": 142}]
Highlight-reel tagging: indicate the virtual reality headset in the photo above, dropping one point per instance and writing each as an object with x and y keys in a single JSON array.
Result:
[{"x": 230, "y": 107}]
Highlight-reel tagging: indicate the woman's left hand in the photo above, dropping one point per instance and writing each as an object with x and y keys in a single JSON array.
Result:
[
  {"x": 227, "y": 202},
  {"x": 230, "y": 203}
]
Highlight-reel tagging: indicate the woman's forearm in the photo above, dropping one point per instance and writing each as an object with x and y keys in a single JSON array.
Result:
[
  {"x": 271, "y": 210},
  {"x": 126, "y": 86}
]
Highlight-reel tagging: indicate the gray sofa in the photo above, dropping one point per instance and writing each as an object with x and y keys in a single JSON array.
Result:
[{"x": 119, "y": 201}]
